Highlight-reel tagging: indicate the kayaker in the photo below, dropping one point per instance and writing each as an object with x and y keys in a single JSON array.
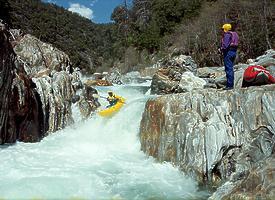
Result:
[{"x": 112, "y": 99}]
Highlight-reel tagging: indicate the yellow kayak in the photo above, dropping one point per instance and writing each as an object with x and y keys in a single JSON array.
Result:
[{"x": 108, "y": 112}]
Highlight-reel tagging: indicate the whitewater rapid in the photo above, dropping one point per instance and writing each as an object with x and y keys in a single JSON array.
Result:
[{"x": 96, "y": 159}]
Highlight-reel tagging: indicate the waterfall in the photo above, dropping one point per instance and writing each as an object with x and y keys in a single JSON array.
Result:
[{"x": 99, "y": 158}]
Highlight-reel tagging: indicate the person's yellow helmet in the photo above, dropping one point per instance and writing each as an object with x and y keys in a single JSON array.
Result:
[{"x": 226, "y": 27}]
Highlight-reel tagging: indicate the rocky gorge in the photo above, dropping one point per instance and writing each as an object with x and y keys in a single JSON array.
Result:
[{"x": 223, "y": 139}]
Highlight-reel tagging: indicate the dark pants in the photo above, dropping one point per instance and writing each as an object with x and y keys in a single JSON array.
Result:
[{"x": 229, "y": 57}]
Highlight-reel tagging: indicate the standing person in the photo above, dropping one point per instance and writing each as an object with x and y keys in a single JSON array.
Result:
[{"x": 229, "y": 45}]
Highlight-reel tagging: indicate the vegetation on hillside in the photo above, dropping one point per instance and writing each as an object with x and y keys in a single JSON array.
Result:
[
  {"x": 146, "y": 29},
  {"x": 87, "y": 44},
  {"x": 193, "y": 27},
  {"x": 253, "y": 20}
]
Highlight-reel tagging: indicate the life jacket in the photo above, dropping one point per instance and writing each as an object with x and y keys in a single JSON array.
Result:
[
  {"x": 256, "y": 72},
  {"x": 113, "y": 98},
  {"x": 234, "y": 39}
]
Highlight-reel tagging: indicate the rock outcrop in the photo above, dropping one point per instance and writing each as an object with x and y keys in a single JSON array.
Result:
[
  {"x": 41, "y": 56},
  {"x": 166, "y": 80},
  {"x": 21, "y": 116},
  {"x": 37, "y": 83},
  {"x": 216, "y": 136},
  {"x": 51, "y": 73},
  {"x": 88, "y": 101}
]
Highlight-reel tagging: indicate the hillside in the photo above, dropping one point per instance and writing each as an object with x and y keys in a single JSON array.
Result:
[
  {"x": 194, "y": 27},
  {"x": 86, "y": 43},
  {"x": 147, "y": 30}
]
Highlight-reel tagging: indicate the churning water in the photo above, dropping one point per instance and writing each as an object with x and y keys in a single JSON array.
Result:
[{"x": 96, "y": 159}]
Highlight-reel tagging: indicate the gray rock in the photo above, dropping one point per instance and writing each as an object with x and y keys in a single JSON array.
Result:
[
  {"x": 40, "y": 86},
  {"x": 20, "y": 105},
  {"x": 271, "y": 69},
  {"x": 213, "y": 136},
  {"x": 88, "y": 102},
  {"x": 190, "y": 82},
  {"x": 40, "y": 56},
  {"x": 133, "y": 77},
  {"x": 166, "y": 80},
  {"x": 114, "y": 76}
]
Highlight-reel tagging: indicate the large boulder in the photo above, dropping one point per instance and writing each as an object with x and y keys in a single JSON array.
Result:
[
  {"x": 190, "y": 82},
  {"x": 21, "y": 116},
  {"x": 266, "y": 60},
  {"x": 38, "y": 88},
  {"x": 214, "y": 136},
  {"x": 40, "y": 56},
  {"x": 257, "y": 183},
  {"x": 89, "y": 101},
  {"x": 168, "y": 76},
  {"x": 51, "y": 72}
]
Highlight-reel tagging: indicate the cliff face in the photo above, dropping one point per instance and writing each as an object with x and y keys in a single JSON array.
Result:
[
  {"x": 50, "y": 71},
  {"x": 215, "y": 136},
  {"x": 20, "y": 104},
  {"x": 36, "y": 81}
]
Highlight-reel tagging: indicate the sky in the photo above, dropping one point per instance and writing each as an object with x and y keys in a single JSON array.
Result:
[{"x": 99, "y": 11}]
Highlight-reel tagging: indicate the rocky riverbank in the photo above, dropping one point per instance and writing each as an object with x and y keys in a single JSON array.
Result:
[{"x": 225, "y": 139}]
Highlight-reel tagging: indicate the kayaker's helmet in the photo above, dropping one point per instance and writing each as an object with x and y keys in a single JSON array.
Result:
[{"x": 110, "y": 93}]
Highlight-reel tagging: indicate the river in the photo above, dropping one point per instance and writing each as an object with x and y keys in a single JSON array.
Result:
[{"x": 94, "y": 159}]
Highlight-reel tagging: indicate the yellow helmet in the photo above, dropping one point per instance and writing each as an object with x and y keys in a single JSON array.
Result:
[{"x": 226, "y": 27}]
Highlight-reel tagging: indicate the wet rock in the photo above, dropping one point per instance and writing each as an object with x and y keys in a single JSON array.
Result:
[
  {"x": 88, "y": 102},
  {"x": 98, "y": 82},
  {"x": 50, "y": 70},
  {"x": 149, "y": 71},
  {"x": 75, "y": 98},
  {"x": 258, "y": 183},
  {"x": 40, "y": 56},
  {"x": 20, "y": 105},
  {"x": 40, "y": 89},
  {"x": 212, "y": 135},
  {"x": 76, "y": 79}
]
